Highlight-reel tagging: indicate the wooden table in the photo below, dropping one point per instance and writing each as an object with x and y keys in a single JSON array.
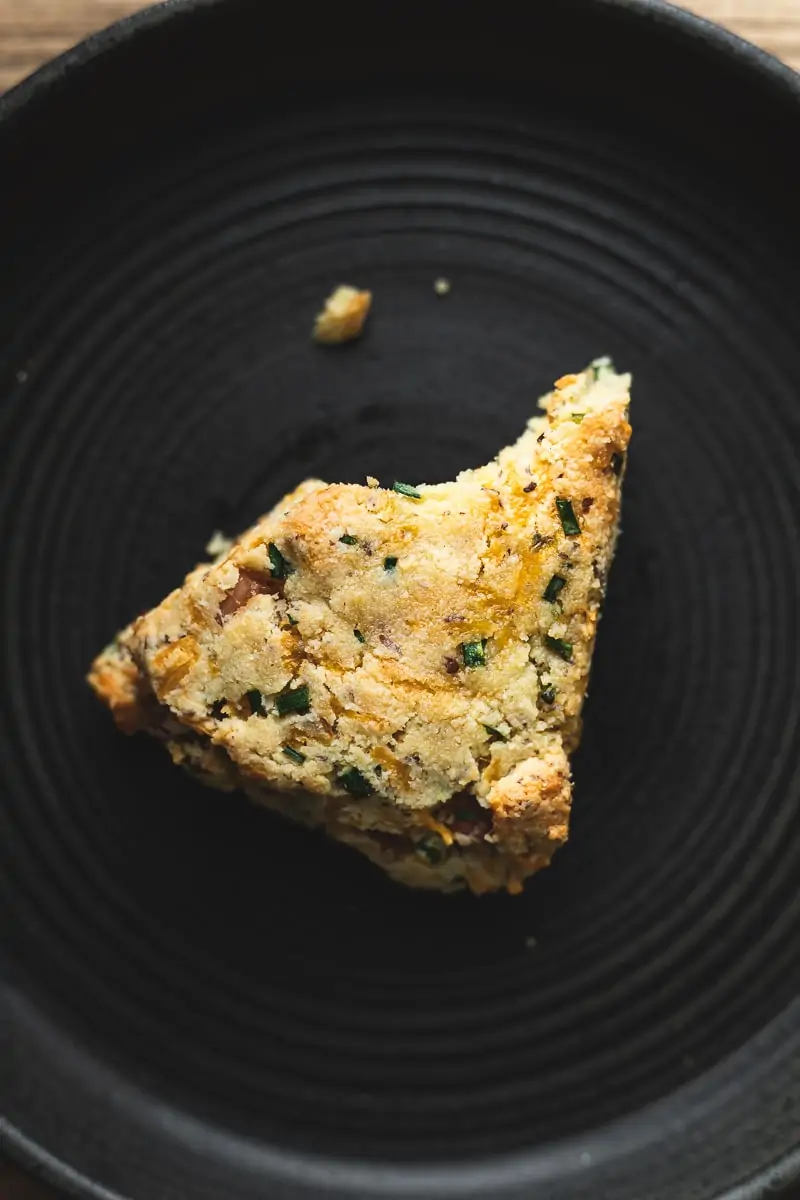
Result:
[{"x": 34, "y": 30}]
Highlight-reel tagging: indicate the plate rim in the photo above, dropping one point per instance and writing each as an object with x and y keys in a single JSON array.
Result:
[{"x": 681, "y": 21}]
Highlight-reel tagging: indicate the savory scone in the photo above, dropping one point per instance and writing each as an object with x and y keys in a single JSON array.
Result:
[{"x": 404, "y": 667}]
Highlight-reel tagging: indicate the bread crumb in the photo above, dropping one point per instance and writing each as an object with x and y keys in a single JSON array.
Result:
[
  {"x": 342, "y": 319},
  {"x": 372, "y": 482},
  {"x": 218, "y": 544},
  {"x": 442, "y": 286}
]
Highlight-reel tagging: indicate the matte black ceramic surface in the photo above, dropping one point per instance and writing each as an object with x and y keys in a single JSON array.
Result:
[{"x": 197, "y": 1001}]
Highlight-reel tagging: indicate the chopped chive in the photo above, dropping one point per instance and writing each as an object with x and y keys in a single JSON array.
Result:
[
  {"x": 432, "y": 848},
  {"x": 495, "y": 734},
  {"x": 256, "y": 702},
  {"x": 347, "y": 539},
  {"x": 560, "y": 647},
  {"x": 405, "y": 489},
  {"x": 548, "y": 695},
  {"x": 600, "y": 365},
  {"x": 577, "y": 417},
  {"x": 294, "y": 755},
  {"x": 358, "y": 635},
  {"x": 569, "y": 522},
  {"x": 293, "y": 700},
  {"x": 290, "y": 619},
  {"x": 616, "y": 463},
  {"x": 474, "y": 653},
  {"x": 556, "y": 584},
  {"x": 281, "y": 567},
  {"x": 354, "y": 782},
  {"x": 390, "y": 563}
]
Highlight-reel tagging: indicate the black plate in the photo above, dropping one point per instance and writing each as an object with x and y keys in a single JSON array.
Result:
[{"x": 199, "y": 1002}]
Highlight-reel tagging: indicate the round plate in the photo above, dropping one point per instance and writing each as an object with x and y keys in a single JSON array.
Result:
[{"x": 199, "y": 1001}]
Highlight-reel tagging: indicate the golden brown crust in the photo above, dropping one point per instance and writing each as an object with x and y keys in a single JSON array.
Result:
[
  {"x": 531, "y": 804},
  {"x": 119, "y": 683},
  {"x": 389, "y": 652}
]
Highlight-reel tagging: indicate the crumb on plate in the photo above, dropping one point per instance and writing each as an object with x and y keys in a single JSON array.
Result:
[{"x": 343, "y": 317}]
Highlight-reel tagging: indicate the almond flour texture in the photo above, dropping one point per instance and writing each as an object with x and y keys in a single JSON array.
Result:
[{"x": 401, "y": 666}]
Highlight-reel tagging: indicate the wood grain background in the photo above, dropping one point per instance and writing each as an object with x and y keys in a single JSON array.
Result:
[{"x": 34, "y": 30}]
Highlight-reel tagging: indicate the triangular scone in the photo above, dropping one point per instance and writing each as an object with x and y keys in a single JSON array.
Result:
[{"x": 405, "y": 667}]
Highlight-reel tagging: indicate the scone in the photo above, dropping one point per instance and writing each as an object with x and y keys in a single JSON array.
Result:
[{"x": 404, "y": 667}]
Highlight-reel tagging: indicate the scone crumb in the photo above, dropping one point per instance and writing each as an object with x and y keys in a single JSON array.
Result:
[
  {"x": 343, "y": 317},
  {"x": 372, "y": 482},
  {"x": 218, "y": 544},
  {"x": 442, "y": 286}
]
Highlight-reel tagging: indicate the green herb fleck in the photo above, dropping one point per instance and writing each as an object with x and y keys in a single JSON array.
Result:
[
  {"x": 405, "y": 489},
  {"x": 354, "y": 782},
  {"x": 293, "y": 700},
  {"x": 495, "y": 734},
  {"x": 577, "y": 417},
  {"x": 560, "y": 647},
  {"x": 600, "y": 366},
  {"x": 347, "y": 539},
  {"x": 358, "y": 635},
  {"x": 294, "y": 755},
  {"x": 616, "y": 463},
  {"x": 432, "y": 848},
  {"x": 291, "y": 619},
  {"x": 569, "y": 522},
  {"x": 548, "y": 695},
  {"x": 390, "y": 563},
  {"x": 281, "y": 567},
  {"x": 256, "y": 702},
  {"x": 556, "y": 584},
  {"x": 474, "y": 653}
]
